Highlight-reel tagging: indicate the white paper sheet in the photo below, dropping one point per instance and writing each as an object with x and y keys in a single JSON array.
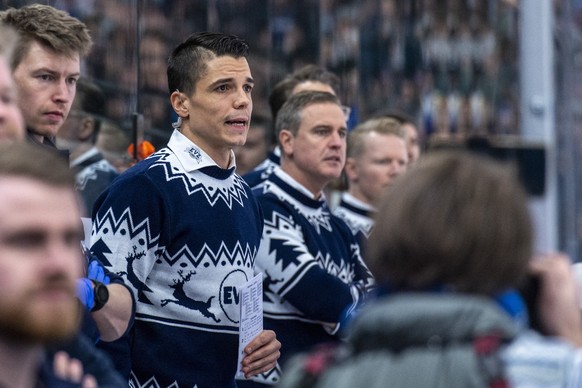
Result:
[{"x": 251, "y": 316}]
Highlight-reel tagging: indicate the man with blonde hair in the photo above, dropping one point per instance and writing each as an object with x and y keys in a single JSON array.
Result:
[{"x": 376, "y": 156}]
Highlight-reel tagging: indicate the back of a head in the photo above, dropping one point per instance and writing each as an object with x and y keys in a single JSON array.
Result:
[
  {"x": 187, "y": 62},
  {"x": 284, "y": 88},
  {"x": 90, "y": 98},
  {"x": 398, "y": 115},
  {"x": 23, "y": 159},
  {"x": 289, "y": 117},
  {"x": 52, "y": 28},
  {"x": 457, "y": 221}
]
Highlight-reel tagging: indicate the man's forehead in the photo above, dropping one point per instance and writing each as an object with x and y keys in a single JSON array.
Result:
[{"x": 39, "y": 56}]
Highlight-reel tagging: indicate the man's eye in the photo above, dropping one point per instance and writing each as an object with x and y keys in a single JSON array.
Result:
[
  {"x": 222, "y": 88},
  {"x": 248, "y": 88}
]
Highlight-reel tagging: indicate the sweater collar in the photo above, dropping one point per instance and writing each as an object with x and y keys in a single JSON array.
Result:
[{"x": 193, "y": 158}]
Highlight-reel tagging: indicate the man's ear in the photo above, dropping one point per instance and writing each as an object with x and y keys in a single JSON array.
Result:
[
  {"x": 179, "y": 103},
  {"x": 351, "y": 169},
  {"x": 286, "y": 141},
  {"x": 87, "y": 128}
]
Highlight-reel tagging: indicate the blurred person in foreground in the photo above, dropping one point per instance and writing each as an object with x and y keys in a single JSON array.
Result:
[
  {"x": 40, "y": 262},
  {"x": 451, "y": 248},
  {"x": 377, "y": 155},
  {"x": 11, "y": 120},
  {"x": 46, "y": 67}
]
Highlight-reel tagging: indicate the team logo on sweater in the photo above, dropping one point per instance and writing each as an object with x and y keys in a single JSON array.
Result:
[
  {"x": 194, "y": 153},
  {"x": 229, "y": 296}
]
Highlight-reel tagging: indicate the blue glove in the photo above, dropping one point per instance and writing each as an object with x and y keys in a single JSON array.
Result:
[
  {"x": 96, "y": 271},
  {"x": 85, "y": 293}
]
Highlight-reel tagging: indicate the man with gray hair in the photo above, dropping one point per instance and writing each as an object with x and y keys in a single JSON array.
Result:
[{"x": 314, "y": 276}]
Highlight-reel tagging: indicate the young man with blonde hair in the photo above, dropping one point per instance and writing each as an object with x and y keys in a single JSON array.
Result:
[{"x": 376, "y": 156}]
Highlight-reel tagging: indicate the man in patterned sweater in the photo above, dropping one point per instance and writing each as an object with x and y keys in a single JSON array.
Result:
[
  {"x": 78, "y": 134},
  {"x": 309, "y": 77},
  {"x": 314, "y": 276},
  {"x": 376, "y": 156},
  {"x": 183, "y": 229}
]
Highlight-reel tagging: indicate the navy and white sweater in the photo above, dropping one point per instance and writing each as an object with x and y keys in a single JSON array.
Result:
[
  {"x": 184, "y": 234},
  {"x": 313, "y": 272},
  {"x": 358, "y": 215},
  {"x": 257, "y": 177},
  {"x": 93, "y": 174}
]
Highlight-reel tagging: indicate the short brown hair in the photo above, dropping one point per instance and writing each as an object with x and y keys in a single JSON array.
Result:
[
  {"x": 456, "y": 220},
  {"x": 380, "y": 125},
  {"x": 23, "y": 159},
  {"x": 49, "y": 26},
  {"x": 290, "y": 115}
]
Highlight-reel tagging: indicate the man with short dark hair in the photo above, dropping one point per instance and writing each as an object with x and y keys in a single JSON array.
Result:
[{"x": 183, "y": 228}]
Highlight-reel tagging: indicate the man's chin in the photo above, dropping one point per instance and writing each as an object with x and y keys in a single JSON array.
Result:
[{"x": 41, "y": 328}]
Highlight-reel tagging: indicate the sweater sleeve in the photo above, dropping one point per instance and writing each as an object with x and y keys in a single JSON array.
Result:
[
  {"x": 126, "y": 230},
  {"x": 320, "y": 287}
]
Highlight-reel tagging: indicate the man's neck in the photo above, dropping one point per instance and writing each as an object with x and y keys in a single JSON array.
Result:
[{"x": 19, "y": 364}]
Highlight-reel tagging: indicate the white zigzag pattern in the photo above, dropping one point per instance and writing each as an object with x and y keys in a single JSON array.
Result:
[
  {"x": 246, "y": 254},
  {"x": 354, "y": 224},
  {"x": 342, "y": 271},
  {"x": 109, "y": 220},
  {"x": 319, "y": 218},
  {"x": 236, "y": 193},
  {"x": 90, "y": 173},
  {"x": 150, "y": 383}
]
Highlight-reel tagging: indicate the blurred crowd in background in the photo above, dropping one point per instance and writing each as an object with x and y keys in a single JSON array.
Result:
[{"x": 451, "y": 64}]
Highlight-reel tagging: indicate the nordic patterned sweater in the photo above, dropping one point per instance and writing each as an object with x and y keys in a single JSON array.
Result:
[
  {"x": 359, "y": 217},
  {"x": 257, "y": 177},
  {"x": 93, "y": 174},
  {"x": 184, "y": 234},
  {"x": 312, "y": 269}
]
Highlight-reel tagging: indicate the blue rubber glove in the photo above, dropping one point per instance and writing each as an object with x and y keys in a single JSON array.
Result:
[
  {"x": 96, "y": 271},
  {"x": 85, "y": 293}
]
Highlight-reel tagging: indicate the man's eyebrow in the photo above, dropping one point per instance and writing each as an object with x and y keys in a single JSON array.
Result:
[
  {"x": 54, "y": 72},
  {"x": 229, "y": 80}
]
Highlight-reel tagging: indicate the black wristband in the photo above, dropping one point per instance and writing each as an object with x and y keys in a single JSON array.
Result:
[{"x": 100, "y": 295}]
